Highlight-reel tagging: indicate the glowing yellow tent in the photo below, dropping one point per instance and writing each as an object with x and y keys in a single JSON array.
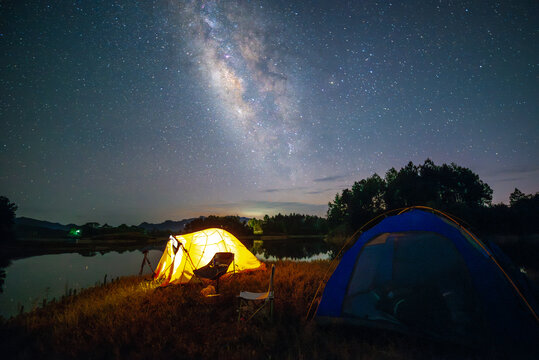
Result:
[{"x": 185, "y": 253}]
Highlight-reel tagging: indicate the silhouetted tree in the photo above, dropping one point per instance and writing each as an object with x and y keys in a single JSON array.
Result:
[
  {"x": 7, "y": 218},
  {"x": 517, "y": 196},
  {"x": 438, "y": 186},
  {"x": 445, "y": 187},
  {"x": 232, "y": 224},
  {"x": 293, "y": 224},
  {"x": 338, "y": 211},
  {"x": 403, "y": 188}
]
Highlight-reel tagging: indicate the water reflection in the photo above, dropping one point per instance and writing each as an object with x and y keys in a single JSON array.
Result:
[
  {"x": 2, "y": 279},
  {"x": 30, "y": 281},
  {"x": 293, "y": 249},
  {"x": 320, "y": 256},
  {"x": 3, "y": 264}
]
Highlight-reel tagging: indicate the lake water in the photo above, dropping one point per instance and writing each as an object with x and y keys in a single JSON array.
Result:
[
  {"x": 307, "y": 249},
  {"x": 30, "y": 280}
]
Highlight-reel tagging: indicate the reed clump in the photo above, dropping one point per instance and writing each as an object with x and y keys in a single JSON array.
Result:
[{"x": 133, "y": 318}]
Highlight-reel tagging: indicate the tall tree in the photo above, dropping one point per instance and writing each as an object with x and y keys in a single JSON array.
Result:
[
  {"x": 354, "y": 207},
  {"x": 7, "y": 218},
  {"x": 403, "y": 188},
  {"x": 516, "y": 196},
  {"x": 446, "y": 187},
  {"x": 443, "y": 186}
]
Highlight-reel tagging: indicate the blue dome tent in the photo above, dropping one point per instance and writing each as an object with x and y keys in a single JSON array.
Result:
[{"x": 421, "y": 272}]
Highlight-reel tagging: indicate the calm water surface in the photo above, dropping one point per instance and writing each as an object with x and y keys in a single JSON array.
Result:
[{"x": 28, "y": 281}]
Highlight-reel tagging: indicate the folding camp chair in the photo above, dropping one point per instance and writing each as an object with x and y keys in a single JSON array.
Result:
[
  {"x": 217, "y": 267},
  {"x": 266, "y": 298}
]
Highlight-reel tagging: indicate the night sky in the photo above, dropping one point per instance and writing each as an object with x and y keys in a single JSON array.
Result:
[{"x": 131, "y": 111}]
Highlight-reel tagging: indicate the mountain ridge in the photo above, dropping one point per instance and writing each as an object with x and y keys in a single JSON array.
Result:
[{"x": 172, "y": 225}]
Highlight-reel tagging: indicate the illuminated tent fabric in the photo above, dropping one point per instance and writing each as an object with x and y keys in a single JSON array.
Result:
[
  {"x": 185, "y": 253},
  {"x": 421, "y": 272}
]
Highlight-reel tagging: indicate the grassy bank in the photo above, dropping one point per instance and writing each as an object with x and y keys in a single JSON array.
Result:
[{"x": 131, "y": 318}]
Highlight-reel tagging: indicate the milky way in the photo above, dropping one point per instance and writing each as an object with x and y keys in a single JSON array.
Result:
[
  {"x": 131, "y": 111},
  {"x": 240, "y": 60}
]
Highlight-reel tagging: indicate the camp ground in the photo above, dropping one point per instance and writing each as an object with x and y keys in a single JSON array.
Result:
[
  {"x": 418, "y": 271},
  {"x": 413, "y": 283}
]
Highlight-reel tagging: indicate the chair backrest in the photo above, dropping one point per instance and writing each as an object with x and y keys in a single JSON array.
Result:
[
  {"x": 270, "y": 289},
  {"x": 223, "y": 258},
  {"x": 217, "y": 266}
]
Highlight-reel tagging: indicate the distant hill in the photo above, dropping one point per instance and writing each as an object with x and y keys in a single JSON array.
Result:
[
  {"x": 171, "y": 225},
  {"x": 24, "y": 221},
  {"x": 175, "y": 226}
]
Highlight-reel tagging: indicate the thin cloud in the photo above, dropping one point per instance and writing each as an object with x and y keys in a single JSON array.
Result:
[
  {"x": 330, "y": 178},
  {"x": 512, "y": 179},
  {"x": 281, "y": 190},
  {"x": 321, "y": 191},
  {"x": 514, "y": 170}
]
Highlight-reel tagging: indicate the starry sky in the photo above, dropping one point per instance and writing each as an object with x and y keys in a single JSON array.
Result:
[{"x": 131, "y": 111}]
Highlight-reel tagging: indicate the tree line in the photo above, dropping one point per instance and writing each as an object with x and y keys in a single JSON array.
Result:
[
  {"x": 7, "y": 218},
  {"x": 232, "y": 224},
  {"x": 293, "y": 224},
  {"x": 450, "y": 188}
]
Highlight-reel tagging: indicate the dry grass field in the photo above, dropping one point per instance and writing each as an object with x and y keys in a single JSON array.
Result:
[{"x": 133, "y": 318}]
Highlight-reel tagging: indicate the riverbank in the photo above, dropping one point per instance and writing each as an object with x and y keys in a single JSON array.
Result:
[{"x": 132, "y": 318}]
